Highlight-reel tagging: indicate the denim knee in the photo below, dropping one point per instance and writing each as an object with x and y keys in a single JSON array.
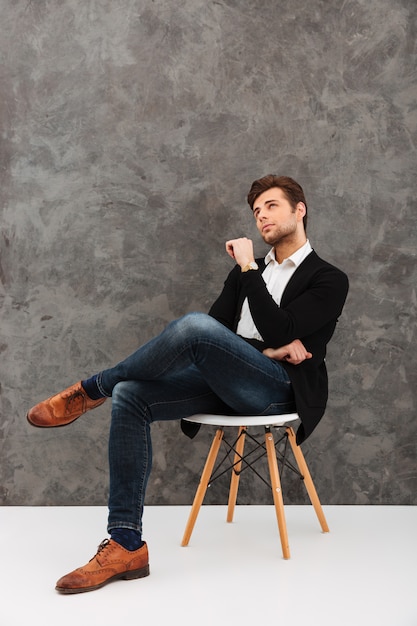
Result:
[
  {"x": 123, "y": 393},
  {"x": 196, "y": 323}
]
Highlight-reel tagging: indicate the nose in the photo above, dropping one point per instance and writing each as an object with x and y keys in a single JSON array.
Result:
[{"x": 261, "y": 214}]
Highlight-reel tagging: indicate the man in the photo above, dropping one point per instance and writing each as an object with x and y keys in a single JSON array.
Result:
[{"x": 260, "y": 350}]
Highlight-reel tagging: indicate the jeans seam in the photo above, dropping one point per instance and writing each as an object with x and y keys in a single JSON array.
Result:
[
  {"x": 206, "y": 342},
  {"x": 100, "y": 386}
]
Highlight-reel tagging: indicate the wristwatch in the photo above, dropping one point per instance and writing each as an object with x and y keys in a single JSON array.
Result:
[{"x": 250, "y": 266}]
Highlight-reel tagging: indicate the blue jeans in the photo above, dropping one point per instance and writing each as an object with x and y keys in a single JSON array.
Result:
[{"x": 196, "y": 365}]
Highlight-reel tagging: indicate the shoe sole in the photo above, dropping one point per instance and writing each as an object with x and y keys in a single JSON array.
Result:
[
  {"x": 51, "y": 425},
  {"x": 136, "y": 573}
]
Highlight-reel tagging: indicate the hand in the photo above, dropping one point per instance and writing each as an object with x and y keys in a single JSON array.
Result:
[
  {"x": 294, "y": 353},
  {"x": 241, "y": 250}
]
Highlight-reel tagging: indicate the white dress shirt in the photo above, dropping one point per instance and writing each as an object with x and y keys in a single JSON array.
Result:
[{"x": 276, "y": 276}]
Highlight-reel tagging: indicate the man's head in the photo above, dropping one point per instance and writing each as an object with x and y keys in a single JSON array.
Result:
[{"x": 290, "y": 188}]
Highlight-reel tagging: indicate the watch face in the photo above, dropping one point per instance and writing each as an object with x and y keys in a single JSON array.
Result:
[{"x": 250, "y": 266}]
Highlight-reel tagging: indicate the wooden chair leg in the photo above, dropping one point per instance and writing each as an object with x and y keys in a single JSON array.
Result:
[
  {"x": 202, "y": 487},
  {"x": 308, "y": 481},
  {"x": 277, "y": 492},
  {"x": 237, "y": 466}
]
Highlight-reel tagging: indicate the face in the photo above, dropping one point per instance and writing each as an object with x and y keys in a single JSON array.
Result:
[{"x": 275, "y": 218}]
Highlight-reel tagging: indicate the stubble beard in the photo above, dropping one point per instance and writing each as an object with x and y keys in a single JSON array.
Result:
[{"x": 286, "y": 232}]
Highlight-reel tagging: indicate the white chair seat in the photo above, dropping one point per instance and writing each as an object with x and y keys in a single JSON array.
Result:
[{"x": 242, "y": 420}]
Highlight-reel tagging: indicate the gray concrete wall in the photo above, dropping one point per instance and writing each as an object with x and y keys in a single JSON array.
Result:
[{"x": 130, "y": 134}]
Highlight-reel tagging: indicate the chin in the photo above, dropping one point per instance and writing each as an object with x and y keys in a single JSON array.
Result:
[{"x": 270, "y": 240}]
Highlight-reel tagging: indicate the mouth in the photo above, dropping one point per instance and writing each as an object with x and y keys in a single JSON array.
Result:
[{"x": 266, "y": 227}]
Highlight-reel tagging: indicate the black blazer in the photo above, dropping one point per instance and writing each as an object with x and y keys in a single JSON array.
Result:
[{"x": 310, "y": 306}]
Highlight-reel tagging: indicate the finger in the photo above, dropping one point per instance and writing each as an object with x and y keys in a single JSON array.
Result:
[{"x": 229, "y": 248}]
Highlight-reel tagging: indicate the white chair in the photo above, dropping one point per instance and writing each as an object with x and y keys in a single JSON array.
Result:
[{"x": 240, "y": 461}]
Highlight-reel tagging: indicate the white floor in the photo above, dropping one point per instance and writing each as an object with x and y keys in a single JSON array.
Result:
[{"x": 362, "y": 572}]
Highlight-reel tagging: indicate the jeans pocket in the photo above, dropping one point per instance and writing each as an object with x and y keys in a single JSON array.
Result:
[{"x": 279, "y": 408}]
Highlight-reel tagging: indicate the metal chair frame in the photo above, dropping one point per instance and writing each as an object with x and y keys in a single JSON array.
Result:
[{"x": 282, "y": 458}]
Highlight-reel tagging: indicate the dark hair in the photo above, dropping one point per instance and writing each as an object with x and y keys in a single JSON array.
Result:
[{"x": 291, "y": 189}]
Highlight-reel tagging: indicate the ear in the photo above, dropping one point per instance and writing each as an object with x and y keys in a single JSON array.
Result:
[{"x": 301, "y": 210}]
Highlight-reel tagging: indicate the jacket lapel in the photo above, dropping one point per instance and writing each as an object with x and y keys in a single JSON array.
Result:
[{"x": 298, "y": 279}]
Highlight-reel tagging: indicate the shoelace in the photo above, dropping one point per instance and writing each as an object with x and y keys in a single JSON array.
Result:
[
  {"x": 103, "y": 545},
  {"x": 76, "y": 396}
]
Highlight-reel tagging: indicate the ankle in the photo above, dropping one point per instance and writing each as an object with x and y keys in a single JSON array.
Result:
[
  {"x": 127, "y": 538},
  {"x": 91, "y": 388}
]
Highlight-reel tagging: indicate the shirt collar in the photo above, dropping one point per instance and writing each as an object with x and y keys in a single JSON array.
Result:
[{"x": 296, "y": 258}]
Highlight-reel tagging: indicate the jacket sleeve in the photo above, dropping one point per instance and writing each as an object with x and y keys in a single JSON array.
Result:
[
  {"x": 224, "y": 309},
  {"x": 310, "y": 304}
]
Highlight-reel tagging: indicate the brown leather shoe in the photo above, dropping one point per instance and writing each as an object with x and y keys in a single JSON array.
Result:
[
  {"x": 111, "y": 562},
  {"x": 63, "y": 408}
]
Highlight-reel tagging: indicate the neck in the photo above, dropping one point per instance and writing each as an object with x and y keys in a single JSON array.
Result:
[{"x": 284, "y": 248}]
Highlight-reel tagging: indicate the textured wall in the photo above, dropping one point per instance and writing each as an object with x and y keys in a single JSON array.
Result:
[{"x": 130, "y": 133}]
